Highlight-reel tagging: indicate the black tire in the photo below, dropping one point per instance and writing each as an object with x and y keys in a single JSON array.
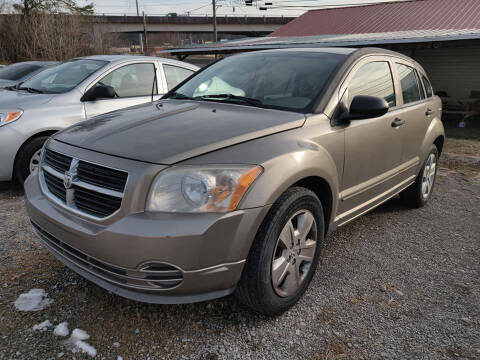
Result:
[
  {"x": 255, "y": 288},
  {"x": 413, "y": 196},
  {"x": 22, "y": 162}
]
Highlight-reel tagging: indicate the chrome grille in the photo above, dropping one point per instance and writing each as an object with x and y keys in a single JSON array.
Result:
[
  {"x": 91, "y": 189},
  {"x": 57, "y": 161},
  {"x": 101, "y": 176},
  {"x": 149, "y": 277},
  {"x": 95, "y": 203},
  {"x": 55, "y": 185}
]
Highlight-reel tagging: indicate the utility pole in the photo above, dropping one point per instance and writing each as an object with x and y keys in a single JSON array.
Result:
[
  {"x": 215, "y": 36},
  {"x": 140, "y": 37},
  {"x": 145, "y": 32}
]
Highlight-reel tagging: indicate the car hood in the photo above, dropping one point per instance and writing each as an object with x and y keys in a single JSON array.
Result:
[
  {"x": 174, "y": 130},
  {"x": 22, "y": 99}
]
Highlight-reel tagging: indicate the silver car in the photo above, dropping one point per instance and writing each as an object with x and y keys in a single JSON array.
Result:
[{"x": 74, "y": 91}]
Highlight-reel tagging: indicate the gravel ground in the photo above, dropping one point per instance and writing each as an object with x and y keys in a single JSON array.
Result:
[{"x": 394, "y": 284}]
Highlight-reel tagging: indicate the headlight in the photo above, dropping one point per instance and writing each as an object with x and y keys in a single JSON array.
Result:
[
  {"x": 201, "y": 189},
  {"x": 9, "y": 116}
]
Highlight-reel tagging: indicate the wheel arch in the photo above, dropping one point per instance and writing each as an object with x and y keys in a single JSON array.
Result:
[
  {"x": 439, "y": 141},
  {"x": 320, "y": 187},
  {"x": 435, "y": 134},
  {"x": 42, "y": 133}
]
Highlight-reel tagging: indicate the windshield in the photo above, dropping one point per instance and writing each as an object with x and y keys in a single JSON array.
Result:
[
  {"x": 64, "y": 77},
  {"x": 17, "y": 71},
  {"x": 285, "y": 80}
]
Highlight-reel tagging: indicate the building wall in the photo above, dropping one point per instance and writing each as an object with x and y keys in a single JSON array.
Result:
[{"x": 455, "y": 70}]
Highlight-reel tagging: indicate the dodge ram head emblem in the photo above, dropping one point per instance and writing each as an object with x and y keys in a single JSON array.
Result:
[{"x": 67, "y": 180}]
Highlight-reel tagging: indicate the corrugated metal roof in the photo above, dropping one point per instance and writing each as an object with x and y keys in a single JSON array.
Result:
[
  {"x": 347, "y": 40},
  {"x": 386, "y": 17}
]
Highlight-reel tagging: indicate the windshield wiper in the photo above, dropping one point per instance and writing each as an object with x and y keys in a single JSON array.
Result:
[
  {"x": 11, "y": 87},
  {"x": 31, "y": 90},
  {"x": 228, "y": 97},
  {"x": 176, "y": 95}
]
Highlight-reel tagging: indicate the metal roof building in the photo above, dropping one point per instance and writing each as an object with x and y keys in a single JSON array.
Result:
[
  {"x": 386, "y": 17},
  {"x": 442, "y": 35}
]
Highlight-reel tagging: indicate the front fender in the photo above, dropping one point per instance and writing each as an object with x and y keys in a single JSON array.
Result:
[{"x": 280, "y": 173}]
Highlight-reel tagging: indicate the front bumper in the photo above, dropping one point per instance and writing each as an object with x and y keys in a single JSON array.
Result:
[
  {"x": 10, "y": 141},
  {"x": 206, "y": 252}
]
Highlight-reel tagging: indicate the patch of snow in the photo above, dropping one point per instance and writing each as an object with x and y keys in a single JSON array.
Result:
[
  {"x": 79, "y": 334},
  {"x": 119, "y": 358},
  {"x": 75, "y": 343},
  {"x": 61, "y": 329},
  {"x": 116, "y": 344},
  {"x": 34, "y": 300},
  {"x": 42, "y": 326},
  {"x": 86, "y": 348}
]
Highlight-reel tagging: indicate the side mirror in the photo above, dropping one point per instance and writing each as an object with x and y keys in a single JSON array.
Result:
[
  {"x": 99, "y": 92},
  {"x": 366, "y": 107}
]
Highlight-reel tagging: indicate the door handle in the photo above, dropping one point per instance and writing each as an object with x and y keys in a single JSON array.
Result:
[
  {"x": 429, "y": 112},
  {"x": 398, "y": 122}
]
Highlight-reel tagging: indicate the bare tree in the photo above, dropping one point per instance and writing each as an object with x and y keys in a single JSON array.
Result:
[
  {"x": 29, "y": 7},
  {"x": 49, "y": 37},
  {"x": 3, "y": 6},
  {"x": 49, "y": 30}
]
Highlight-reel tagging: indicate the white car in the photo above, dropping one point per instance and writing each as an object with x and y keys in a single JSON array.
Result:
[{"x": 75, "y": 91}]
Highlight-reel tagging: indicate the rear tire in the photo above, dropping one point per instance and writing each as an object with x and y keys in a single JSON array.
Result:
[
  {"x": 28, "y": 156},
  {"x": 418, "y": 194},
  {"x": 280, "y": 267}
]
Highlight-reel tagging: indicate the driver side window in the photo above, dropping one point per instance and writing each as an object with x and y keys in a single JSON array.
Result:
[
  {"x": 132, "y": 80},
  {"x": 373, "y": 79}
]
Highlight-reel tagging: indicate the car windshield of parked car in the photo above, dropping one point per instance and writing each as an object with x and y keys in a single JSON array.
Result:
[
  {"x": 17, "y": 71},
  {"x": 283, "y": 80},
  {"x": 62, "y": 78}
]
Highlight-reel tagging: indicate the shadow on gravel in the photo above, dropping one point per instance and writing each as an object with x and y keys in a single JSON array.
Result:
[
  {"x": 10, "y": 188},
  {"x": 392, "y": 205}
]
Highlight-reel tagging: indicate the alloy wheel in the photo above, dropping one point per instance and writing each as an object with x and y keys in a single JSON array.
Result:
[
  {"x": 294, "y": 253},
  {"x": 35, "y": 160},
  {"x": 428, "y": 176}
]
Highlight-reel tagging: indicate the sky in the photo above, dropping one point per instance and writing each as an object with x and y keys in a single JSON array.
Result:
[{"x": 228, "y": 7}]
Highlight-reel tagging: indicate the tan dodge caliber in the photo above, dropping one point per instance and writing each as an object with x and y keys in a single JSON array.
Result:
[{"x": 230, "y": 182}]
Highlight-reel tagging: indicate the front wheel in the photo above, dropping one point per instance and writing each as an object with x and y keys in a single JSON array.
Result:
[
  {"x": 418, "y": 194},
  {"x": 28, "y": 158},
  {"x": 284, "y": 255}
]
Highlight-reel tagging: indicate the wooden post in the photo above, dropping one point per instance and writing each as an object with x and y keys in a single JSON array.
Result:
[
  {"x": 145, "y": 32},
  {"x": 215, "y": 37},
  {"x": 140, "y": 37}
]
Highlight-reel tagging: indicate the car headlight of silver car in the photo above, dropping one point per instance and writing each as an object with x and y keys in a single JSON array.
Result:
[
  {"x": 7, "y": 117},
  {"x": 191, "y": 189}
]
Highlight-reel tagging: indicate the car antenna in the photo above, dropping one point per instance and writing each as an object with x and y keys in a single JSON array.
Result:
[{"x": 154, "y": 80}]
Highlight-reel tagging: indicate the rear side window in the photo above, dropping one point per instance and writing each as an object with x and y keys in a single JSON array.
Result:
[
  {"x": 428, "y": 86},
  {"x": 411, "y": 88},
  {"x": 175, "y": 75},
  {"x": 373, "y": 79}
]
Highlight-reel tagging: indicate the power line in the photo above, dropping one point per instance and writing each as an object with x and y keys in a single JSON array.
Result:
[
  {"x": 229, "y": 6},
  {"x": 201, "y": 7}
]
